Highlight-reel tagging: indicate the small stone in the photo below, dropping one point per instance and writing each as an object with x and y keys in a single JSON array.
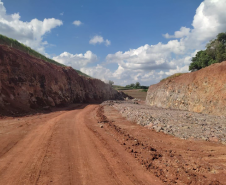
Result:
[{"x": 101, "y": 126}]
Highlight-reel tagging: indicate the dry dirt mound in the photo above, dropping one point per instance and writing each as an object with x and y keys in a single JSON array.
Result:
[
  {"x": 28, "y": 83},
  {"x": 203, "y": 91}
]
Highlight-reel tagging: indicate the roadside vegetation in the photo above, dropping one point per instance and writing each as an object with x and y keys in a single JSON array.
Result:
[
  {"x": 17, "y": 45},
  {"x": 137, "y": 86},
  {"x": 144, "y": 90},
  {"x": 130, "y": 86},
  {"x": 215, "y": 53}
]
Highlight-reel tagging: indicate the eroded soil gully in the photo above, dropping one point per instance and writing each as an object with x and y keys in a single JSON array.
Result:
[{"x": 171, "y": 159}]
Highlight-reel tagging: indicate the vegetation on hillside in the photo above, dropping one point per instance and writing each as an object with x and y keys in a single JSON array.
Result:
[
  {"x": 130, "y": 86},
  {"x": 136, "y": 86},
  {"x": 110, "y": 82},
  {"x": 215, "y": 53},
  {"x": 120, "y": 88},
  {"x": 144, "y": 90},
  {"x": 17, "y": 45},
  {"x": 171, "y": 77}
]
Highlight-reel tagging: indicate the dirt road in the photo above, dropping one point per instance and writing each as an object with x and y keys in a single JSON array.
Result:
[
  {"x": 61, "y": 148},
  {"x": 92, "y": 144}
]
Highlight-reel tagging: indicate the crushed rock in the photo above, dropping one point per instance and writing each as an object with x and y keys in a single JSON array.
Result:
[{"x": 182, "y": 124}]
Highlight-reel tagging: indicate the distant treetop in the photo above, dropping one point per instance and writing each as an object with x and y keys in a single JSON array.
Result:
[{"x": 215, "y": 53}]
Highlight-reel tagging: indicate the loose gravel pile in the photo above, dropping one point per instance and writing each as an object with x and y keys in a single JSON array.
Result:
[{"x": 182, "y": 124}]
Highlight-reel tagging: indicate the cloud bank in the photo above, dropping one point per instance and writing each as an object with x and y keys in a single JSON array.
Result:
[
  {"x": 76, "y": 61},
  {"x": 149, "y": 63}
]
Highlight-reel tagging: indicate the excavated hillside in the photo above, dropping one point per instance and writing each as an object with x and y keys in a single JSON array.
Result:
[
  {"x": 203, "y": 91},
  {"x": 28, "y": 83}
]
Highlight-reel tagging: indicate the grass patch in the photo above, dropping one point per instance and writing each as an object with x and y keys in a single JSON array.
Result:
[
  {"x": 144, "y": 90},
  {"x": 17, "y": 45},
  {"x": 120, "y": 88},
  {"x": 172, "y": 76},
  {"x": 136, "y": 93}
]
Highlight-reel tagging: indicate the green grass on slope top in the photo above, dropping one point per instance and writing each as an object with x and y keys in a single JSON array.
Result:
[
  {"x": 172, "y": 76},
  {"x": 17, "y": 45}
]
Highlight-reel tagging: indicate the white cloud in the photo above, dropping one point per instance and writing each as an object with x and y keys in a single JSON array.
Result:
[
  {"x": 178, "y": 34},
  {"x": 62, "y": 13},
  {"x": 150, "y": 63},
  {"x": 77, "y": 23},
  {"x": 30, "y": 33},
  {"x": 77, "y": 60},
  {"x": 97, "y": 39},
  {"x": 107, "y": 42},
  {"x": 147, "y": 57},
  {"x": 99, "y": 72},
  {"x": 210, "y": 19},
  {"x": 121, "y": 76},
  {"x": 183, "y": 69}
]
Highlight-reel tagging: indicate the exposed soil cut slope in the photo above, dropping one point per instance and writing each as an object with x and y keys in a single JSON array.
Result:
[
  {"x": 203, "y": 91},
  {"x": 28, "y": 83}
]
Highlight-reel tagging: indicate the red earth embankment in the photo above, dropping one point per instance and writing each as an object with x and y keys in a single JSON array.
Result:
[
  {"x": 28, "y": 83},
  {"x": 203, "y": 91}
]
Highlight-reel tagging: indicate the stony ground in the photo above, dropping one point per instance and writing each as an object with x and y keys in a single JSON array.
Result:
[{"x": 182, "y": 124}]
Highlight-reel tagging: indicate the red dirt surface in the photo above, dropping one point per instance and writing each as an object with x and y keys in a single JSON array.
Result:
[
  {"x": 92, "y": 144},
  {"x": 65, "y": 147}
]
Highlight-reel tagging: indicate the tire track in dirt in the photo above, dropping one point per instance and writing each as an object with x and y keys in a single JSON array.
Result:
[
  {"x": 22, "y": 163},
  {"x": 66, "y": 149}
]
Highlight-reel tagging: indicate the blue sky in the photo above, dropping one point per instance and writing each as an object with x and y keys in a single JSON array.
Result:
[{"x": 124, "y": 41}]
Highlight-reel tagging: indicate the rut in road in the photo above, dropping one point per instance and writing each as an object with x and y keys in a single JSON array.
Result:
[{"x": 62, "y": 149}]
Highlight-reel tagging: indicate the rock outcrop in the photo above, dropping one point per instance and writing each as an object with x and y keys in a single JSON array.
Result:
[
  {"x": 203, "y": 91},
  {"x": 28, "y": 83}
]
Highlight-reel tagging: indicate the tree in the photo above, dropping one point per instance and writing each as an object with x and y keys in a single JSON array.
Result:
[
  {"x": 215, "y": 53},
  {"x": 110, "y": 82},
  {"x": 221, "y": 37},
  {"x": 137, "y": 85},
  {"x": 132, "y": 85}
]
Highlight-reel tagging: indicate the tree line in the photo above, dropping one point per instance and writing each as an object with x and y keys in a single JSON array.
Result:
[
  {"x": 136, "y": 86},
  {"x": 215, "y": 53}
]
